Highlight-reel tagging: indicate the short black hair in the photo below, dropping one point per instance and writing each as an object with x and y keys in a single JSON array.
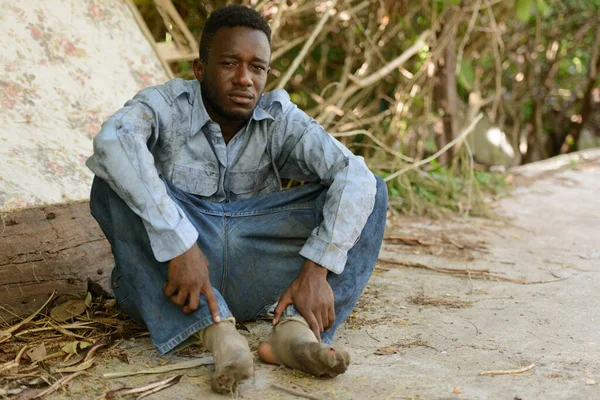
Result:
[{"x": 231, "y": 16}]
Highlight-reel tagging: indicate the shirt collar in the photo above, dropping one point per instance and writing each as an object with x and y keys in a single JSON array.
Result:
[{"x": 200, "y": 116}]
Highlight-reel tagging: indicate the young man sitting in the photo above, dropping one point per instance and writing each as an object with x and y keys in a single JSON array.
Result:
[{"x": 187, "y": 190}]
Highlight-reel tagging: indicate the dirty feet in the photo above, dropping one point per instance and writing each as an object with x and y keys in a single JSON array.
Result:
[
  {"x": 233, "y": 360},
  {"x": 294, "y": 345}
]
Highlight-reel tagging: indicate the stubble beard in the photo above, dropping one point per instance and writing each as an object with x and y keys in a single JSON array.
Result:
[{"x": 210, "y": 97}]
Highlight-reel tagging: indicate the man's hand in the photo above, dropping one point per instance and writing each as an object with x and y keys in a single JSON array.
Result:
[
  {"x": 312, "y": 296},
  {"x": 187, "y": 279}
]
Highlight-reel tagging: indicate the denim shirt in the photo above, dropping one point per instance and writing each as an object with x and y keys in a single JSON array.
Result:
[{"x": 166, "y": 131}]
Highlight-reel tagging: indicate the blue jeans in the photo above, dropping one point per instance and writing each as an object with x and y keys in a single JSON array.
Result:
[{"x": 252, "y": 248}]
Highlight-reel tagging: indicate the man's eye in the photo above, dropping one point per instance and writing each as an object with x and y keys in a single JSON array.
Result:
[
  {"x": 227, "y": 63},
  {"x": 259, "y": 67}
]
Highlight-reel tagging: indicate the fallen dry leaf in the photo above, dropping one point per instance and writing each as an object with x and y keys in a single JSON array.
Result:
[
  {"x": 88, "y": 300},
  {"x": 72, "y": 347},
  {"x": 37, "y": 353},
  {"x": 386, "y": 351},
  {"x": 68, "y": 310},
  {"x": 80, "y": 367}
]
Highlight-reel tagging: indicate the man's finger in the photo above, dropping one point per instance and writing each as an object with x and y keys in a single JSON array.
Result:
[
  {"x": 284, "y": 301},
  {"x": 180, "y": 298},
  {"x": 193, "y": 304},
  {"x": 313, "y": 325},
  {"x": 169, "y": 289},
  {"x": 331, "y": 317},
  {"x": 325, "y": 321},
  {"x": 213, "y": 303},
  {"x": 320, "y": 320}
]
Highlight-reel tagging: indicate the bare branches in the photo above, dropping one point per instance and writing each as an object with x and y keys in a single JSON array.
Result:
[
  {"x": 457, "y": 140},
  {"x": 306, "y": 46}
]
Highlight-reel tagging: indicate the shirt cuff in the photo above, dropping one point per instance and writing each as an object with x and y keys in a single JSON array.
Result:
[
  {"x": 325, "y": 254},
  {"x": 168, "y": 244}
]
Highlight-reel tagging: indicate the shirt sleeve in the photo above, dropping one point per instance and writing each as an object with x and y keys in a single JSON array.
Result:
[
  {"x": 123, "y": 159},
  {"x": 305, "y": 151}
]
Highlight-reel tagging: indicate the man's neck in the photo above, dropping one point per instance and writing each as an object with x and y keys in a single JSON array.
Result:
[{"x": 228, "y": 127}]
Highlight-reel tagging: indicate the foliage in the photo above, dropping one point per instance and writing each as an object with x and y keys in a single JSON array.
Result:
[{"x": 397, "y": 80}]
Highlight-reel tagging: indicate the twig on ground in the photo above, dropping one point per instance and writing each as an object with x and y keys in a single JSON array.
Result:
[
  {"x": 78, "y": 367},
  {"x": 143, "y": 391},
  {"x": 167, "y": 368},
  {"x": 6, "y": 334},
  {"x": 466, "y": 273},
  {"x": 294, "y": 392},
  {"x": 59, "y": 384},
  {"x": 371, "y": 336},
  {"x": 507, "y": 372},
  {"x": 474, "y": 326}
]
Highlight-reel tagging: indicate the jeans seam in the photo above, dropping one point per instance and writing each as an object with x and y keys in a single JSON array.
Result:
[
  {"x": 225, "y": 255},
  {"x": 270, "y": 211},
  {"x": 195, "y": 327},
  {"x": 196, "y": 208}
]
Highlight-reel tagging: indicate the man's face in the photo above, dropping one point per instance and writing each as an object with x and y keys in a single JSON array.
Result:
[{"x": 235, "y": 74}]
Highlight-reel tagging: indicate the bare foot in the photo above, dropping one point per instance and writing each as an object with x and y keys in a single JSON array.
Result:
[
  {"x": 233, "y": 360},
  {"x": 294, "y": 345}
]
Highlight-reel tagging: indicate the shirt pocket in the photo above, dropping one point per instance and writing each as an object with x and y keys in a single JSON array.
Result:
[
  {"x": 199, "y": 180},
  {"x": 251, "y": 181}
]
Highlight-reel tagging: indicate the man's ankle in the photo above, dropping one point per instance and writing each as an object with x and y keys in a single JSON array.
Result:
[{"x": 226, "y": 324}]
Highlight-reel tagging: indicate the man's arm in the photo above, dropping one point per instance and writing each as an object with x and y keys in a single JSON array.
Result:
[
  {"x": 310, "y": 153},
  {"x": 122, "y": 158},
  {"x": 314, "y": 155}
]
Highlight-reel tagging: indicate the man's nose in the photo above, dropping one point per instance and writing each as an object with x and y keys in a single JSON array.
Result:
[{"x": 243, "y": 77}]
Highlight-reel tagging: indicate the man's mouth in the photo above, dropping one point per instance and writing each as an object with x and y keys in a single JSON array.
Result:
[{"x": 241, "y": 98}]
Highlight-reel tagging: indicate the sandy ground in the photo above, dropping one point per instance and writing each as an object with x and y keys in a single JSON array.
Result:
[{"x": 436, "y": 332}]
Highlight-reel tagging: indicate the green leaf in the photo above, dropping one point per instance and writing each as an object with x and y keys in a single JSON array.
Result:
[
  {"x": 544, "y": 8},
  {"x": 524, "y": 9},
  {"x": 466, "y": 75}
]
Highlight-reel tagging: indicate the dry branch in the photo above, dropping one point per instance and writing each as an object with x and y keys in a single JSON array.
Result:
[
  {"x": 484, "y": 274},
  {"x": 284, "y": 80},
  {"x": 295, "y": 392},
  {"x": 508, "y": 372},
  {"x": 458, "y": 139},
  {"x": 166, "y": 368},
  {"x": 6, "y": 334},
  {"x": 59, "y": 384},
  {"x": 419, "y": 44}
]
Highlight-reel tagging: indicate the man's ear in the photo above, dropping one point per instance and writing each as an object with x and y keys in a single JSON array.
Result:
[{"x": 198, "y": 67}]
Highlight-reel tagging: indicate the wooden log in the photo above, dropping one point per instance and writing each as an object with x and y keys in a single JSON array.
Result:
[{"x": 58, "y": 247}]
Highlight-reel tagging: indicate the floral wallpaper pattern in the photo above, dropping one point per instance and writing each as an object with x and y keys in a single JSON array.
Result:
[{"x": 65, "y": 66}]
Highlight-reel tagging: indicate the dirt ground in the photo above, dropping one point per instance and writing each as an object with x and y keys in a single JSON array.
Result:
[{"x": 428, "y": 332}]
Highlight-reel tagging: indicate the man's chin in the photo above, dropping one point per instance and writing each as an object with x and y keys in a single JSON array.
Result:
[{"x": 238, "y": 115}]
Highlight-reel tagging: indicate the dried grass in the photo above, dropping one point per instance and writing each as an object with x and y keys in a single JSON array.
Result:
[{"x": 39, "y": 350}]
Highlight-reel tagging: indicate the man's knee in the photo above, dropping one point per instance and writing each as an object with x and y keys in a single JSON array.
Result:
[{"x": 381, "y": 198}]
